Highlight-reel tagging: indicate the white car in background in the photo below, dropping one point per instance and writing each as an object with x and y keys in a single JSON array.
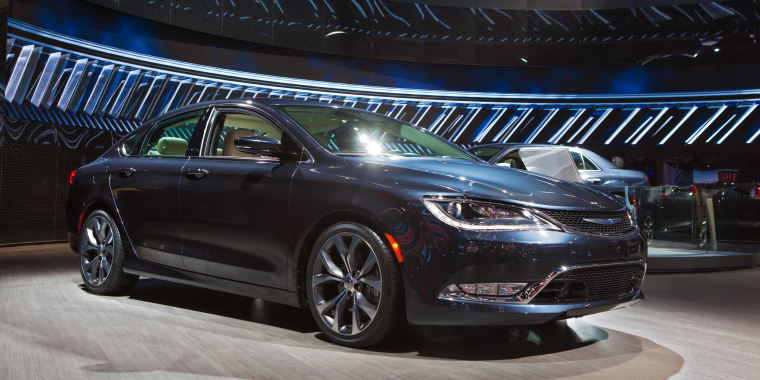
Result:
[{"x": 553, "y": 160}]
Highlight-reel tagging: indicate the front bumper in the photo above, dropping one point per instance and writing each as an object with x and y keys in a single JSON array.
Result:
[
  {"x": 469, "y": 313},
  {"x": 437, "y": 255}
]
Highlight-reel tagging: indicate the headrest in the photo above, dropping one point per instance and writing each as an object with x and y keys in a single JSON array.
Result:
[{"x": 171, "y": 146}]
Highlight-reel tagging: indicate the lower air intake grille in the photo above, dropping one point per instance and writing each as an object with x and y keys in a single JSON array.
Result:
[
  {"x": 593, "y": 222},
  {"x": 593, "y": 283}
]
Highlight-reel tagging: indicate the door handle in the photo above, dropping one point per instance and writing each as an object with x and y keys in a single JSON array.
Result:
[
  {"x": 126, "y": 172},
  {"x": 196, "y": 173},
  {"x": 594, "y": 180}
]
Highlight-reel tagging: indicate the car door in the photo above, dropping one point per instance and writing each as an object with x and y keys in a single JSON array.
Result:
[
  {"x": 144, "y": 185},
  {"x": 590, "y": 173},
  {"x": 234, "y": 207}
]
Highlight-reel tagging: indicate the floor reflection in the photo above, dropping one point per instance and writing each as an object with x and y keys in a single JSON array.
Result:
[
  {"x": 461, "y": 343},
  {"x": 223, "y": 304}
]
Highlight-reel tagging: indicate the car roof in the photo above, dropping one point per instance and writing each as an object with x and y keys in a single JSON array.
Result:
[
  {"x": 520, "y": 145},
  {"x": 245, "y": 102}
]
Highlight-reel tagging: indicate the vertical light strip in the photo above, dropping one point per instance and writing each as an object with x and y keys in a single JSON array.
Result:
[
  {"x": 663, "y": 125},
  {"x": 595, "y": 126},
  {"x": 399, "y": 111},
  {"x": 680, "y": 123},
  {"x": 506, "y": 127},
  {"x": 423, "y": 115},
  {"x": 638, "y": 129},
  {"x": 517, "y": 126},
  {"x": 749, "y": 111},
  {"x": 491, "y": 123},
  {"x": 620, "y": 128},
  {"x": 447, "y": 110},
  {"x": 569, "y": 123},
  {"x": 543, "y": 124},
  {"x": 706, "y": 125},
  {"x": 652, "y": 124},
  {"x": 580, "y": 129},
  {"x": 467, "y": 123},
  {"x": 721, "y": 128}
]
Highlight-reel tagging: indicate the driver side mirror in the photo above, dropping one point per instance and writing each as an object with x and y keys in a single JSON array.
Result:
[{"x": 258, "y": 145}]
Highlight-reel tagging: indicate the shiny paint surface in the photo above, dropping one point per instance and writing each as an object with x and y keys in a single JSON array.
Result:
[
  {"x": 248, "y": 226},
  {"x": 609, "y": 177}
]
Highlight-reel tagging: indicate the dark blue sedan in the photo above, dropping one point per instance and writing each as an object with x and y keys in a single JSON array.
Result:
[{"x": 369, "y": 222}]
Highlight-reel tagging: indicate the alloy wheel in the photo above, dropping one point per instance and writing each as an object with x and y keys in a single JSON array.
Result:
[
  {"x": 346, "y": 283},
  {"x": 97, "y": 253},
  {"x": 648, "y": 229}
]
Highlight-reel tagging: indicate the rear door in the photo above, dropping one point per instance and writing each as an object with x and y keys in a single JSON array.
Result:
[{"x": 145, "y": 185}]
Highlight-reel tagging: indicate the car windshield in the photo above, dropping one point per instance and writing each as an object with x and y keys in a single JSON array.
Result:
[{"x": 353, "y": 132}]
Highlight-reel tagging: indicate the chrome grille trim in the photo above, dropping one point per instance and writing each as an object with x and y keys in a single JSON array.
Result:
[{"x": 579, "y": 221}]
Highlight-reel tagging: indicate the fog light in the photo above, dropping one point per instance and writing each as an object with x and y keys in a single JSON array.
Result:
[{"x": 492, "y": 289}]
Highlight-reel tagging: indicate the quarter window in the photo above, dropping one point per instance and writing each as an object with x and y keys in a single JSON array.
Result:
[
  {"x": 582, "y": 162},
  {"x": 170, "y": 137},
  {"x": 231, "y": 126},
  {"x": 131, "y": 146}
]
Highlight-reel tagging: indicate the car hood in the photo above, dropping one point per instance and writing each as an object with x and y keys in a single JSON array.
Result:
[{"x": 479, "y": 180}]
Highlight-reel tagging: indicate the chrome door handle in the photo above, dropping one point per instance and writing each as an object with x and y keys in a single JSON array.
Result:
[
  {"x": 594, "y": 180},
  {"x": 196, "y": 173},
  {"x": 126, "y": 172}
]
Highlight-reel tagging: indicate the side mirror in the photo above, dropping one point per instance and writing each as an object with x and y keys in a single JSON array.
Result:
[{"x": 258, "y": 145}]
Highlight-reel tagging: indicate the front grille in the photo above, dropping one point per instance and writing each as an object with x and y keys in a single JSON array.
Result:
[
  {"x": 597, "y": 282},
  {"x": 574, "y": 220}
]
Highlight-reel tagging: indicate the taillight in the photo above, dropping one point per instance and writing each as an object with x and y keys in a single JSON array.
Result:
[
  {"x": 757, "y": 192},
  {"x": 71, "y": 177}
]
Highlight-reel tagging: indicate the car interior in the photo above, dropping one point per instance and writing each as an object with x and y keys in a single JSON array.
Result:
[
  {"x": 232, "y": 126},
  {"x": 512, "y": 160},
  {"x": 170, "y": 138}
]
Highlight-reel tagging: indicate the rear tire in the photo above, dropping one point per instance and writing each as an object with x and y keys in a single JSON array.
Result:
[
  {"x": 101, "y": 256},
  {"x": 354, "y": 287}
]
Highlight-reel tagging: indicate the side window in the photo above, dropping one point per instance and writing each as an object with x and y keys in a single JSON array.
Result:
[
  {"x": 512, "y": 160},
  {"x": 578, "y": 159},
  {"x": 229, "y": 126},
  {"x": 485, "y": 153},
  {"x": 170, "y": 137},
  {"x": 131, "y": 146},
  {"x": 589, "y": 164}
]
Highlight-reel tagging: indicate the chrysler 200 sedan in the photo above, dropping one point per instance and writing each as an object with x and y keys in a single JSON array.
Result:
[{"x": 369, "y": 222}]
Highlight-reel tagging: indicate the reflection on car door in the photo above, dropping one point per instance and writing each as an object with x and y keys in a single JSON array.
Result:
[
  {"x": 234, "y": 206},
  {"x": 145, "y": 184}
]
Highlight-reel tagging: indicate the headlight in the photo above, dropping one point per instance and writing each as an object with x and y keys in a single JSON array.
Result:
[{"x": 472, "y": 215}]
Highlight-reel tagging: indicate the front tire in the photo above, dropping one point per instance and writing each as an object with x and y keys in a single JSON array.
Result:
[
  {"x": 354, "y": 286},
  {"x": 101, "y": 256}
]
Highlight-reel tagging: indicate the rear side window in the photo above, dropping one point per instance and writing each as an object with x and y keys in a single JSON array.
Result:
[
  {"x": 170, "y": 137},
  {"x": 582, "y": 162},
  {"x": 485, "y": 153},
  {"x": 131, "y": 145}
]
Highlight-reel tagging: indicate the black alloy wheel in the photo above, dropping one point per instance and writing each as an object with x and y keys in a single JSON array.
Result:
[
  {"x": 354, "y": 287},
  {"x": 101, "y": 256},
  {"x": 647, "y": 227}
]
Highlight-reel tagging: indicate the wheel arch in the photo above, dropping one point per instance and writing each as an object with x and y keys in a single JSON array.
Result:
[{"x": 303, "y": 249}]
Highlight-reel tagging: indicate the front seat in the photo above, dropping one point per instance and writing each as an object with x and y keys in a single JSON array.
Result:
[
  {"x": 171, "y": 146},
  {"x": 228, "y": 147}
]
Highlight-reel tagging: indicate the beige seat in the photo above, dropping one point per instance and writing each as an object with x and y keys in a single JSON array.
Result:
[
  {"x": 171, "y": 146},
  {"x": 228, "y": 147}
]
